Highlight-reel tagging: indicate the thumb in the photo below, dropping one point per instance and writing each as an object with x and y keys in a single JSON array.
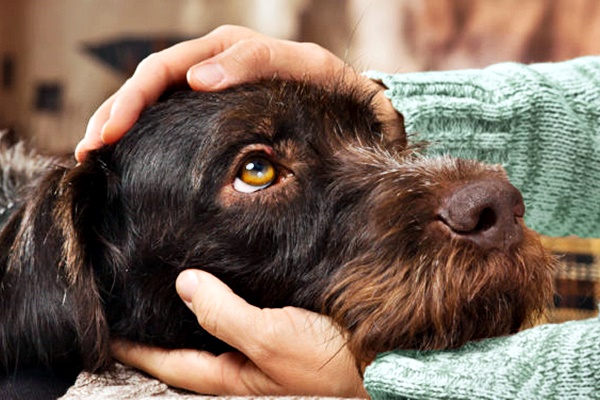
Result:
[
  {"x": 260, "y": 57},
  {"x": 220, "y": 312},
  {"x": 245, "y": 61}
]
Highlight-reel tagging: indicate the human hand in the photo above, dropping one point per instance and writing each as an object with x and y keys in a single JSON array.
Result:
[
  {"x": 287, "y": 351},
  {"x": 227, "y": 56}
]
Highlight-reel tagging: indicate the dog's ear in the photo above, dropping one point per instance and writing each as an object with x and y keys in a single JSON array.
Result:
[
  {"x": 85, "y": 214},
  {"x": 52, "y": 250},
  {"x": 50, "y": 312}
]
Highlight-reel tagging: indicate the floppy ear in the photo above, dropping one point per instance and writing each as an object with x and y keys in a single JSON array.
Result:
[
  {"x": 52, "y": 251},
  {"x": 88, "y": 220}
]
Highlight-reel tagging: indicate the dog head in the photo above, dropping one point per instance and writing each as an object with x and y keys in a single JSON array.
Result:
[{"x": 297, "y": 195}]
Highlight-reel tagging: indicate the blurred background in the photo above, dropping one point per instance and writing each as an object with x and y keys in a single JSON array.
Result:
[{"x": 59, "y": 59}]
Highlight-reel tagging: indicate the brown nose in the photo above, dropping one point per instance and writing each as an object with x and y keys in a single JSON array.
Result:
[{"x": 486, "y": 212}]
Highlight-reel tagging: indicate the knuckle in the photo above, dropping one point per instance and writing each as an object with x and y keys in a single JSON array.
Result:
[
  {"x": 267, "y": 345},
  {"x": 153, "y": 64},
  {"x": 208, "y": 318},
  {"x": 225, "y": 29},
  {"x": 313, "y": 48},
  {"x": 318, "y": 54},
  {"x": 251, "y": 59},
  {"x": 229, "y": 30},
  {"x": 263, "y": 350},
  {"x": 147, "y": 63},
  {"x": 259, "y": 51}
]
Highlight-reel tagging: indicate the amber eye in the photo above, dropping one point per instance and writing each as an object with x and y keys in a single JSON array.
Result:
[{"x": 255, "y": 174}]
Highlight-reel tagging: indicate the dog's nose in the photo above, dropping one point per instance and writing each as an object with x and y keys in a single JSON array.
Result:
[{"x": 486, "y": 212}]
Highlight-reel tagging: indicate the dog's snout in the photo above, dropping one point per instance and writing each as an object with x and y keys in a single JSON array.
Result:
[{"x": 486, "y": 212}]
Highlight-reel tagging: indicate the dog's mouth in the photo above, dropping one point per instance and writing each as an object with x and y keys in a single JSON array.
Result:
[{"x": 442, "y": 300}]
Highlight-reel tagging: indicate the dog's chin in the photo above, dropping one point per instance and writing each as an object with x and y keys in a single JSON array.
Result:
[{"x": 443, "y": 299}]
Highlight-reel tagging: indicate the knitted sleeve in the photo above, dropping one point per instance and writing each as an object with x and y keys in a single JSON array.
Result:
[
  {"x": 542, "y": 122},
  {"x": 555, "y": 361}
]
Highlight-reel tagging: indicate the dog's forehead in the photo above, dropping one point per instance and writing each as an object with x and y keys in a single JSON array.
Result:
[
  {"x": 205, "y": 131},
  {"x": 282, "y": 111}
]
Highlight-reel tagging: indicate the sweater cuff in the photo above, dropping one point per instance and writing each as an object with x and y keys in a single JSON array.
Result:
[{"x": 547, "y": 362}]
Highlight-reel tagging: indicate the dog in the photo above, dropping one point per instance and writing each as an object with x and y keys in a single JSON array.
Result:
[{"x": 293, "y": 195}]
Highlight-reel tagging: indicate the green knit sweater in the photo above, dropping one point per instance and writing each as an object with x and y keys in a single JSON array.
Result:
[
  {"x": 556, "y": 361},
  {"x": 542, "y": 123}
]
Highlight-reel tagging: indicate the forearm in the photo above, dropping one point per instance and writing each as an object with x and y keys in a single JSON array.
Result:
[
  {"x": 547, "y": 362},
  {"x": 539, "y": 121}
]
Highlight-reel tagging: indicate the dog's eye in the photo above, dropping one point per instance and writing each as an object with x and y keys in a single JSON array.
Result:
[{"x": 256, "y": 173}]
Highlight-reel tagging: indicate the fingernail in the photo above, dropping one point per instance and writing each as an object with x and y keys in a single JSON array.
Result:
[
  {"x": 187, "y": 284},
  {"x": 208, "y": 74}
]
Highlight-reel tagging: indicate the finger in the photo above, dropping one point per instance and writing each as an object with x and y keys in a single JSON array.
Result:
[
  {"x": 220, "y": 312},
  {"x": 86, "y": 145},
  {"x": 170, "y": 366},
  {"x": 162, "y": 70},
  {"x": 198, "y": 371},
  {"x": 257, "y": 333},
  {"x": 154, "y": 75},
  {"x": 262, "y": 57},
  {"x": 99, "y": 117},
  {"x": 245, "y": 61},
  {"x": 129, "y": 103},
  {"x": 91, "y": 139}
]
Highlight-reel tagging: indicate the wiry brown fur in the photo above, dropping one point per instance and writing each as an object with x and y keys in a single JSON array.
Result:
[{"x": 417, "y": 287}]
